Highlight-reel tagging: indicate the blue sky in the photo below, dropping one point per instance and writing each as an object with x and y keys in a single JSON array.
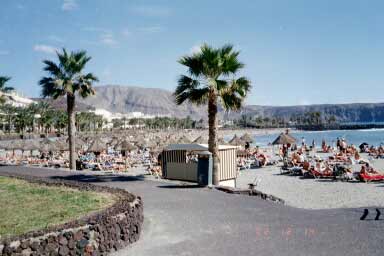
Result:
[{"x": 296, "y": 51}]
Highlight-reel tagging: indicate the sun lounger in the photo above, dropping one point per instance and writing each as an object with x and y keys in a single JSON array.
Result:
[{"x": 370, "y": 177}]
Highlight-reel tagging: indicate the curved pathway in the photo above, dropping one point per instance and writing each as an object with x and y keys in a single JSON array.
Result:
[{"x": 199, "y": 221}]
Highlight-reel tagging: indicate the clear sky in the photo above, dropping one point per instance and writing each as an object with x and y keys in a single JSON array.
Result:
[{"x": 295, "y": 51}]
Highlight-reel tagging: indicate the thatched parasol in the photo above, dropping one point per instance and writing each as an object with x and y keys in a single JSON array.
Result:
[
  {"x": 200, "y": 140},
  {"x": 168, "y": 141},
  {"x": 125, "y": 145},
  {"x": 14, "y": 145},
  {"x": 236, "y": 141},
  {"x": 284, "y": 139},
  {"x": 97, "y": 146},
  {"x": 114, "y": 141},
  {"x": 156, "y": 150},
  {"x": 29, "y": 145},
  {"x": 221, "y": 141},
  {"x": 183, "y": 140},
  {"x": 247, "y": 138},
  {"x": 47, "y": 145},
  {"x": 3, "y": 145},
  {"x": 141, "y": 144},
  {"x": 242, "y": 153}
]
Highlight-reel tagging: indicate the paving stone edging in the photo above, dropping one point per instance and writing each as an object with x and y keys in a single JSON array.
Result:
[{"x": 96, "y": 234}]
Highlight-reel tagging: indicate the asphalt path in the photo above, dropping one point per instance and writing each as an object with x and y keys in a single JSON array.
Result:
[{"x": 188, "y": 220}]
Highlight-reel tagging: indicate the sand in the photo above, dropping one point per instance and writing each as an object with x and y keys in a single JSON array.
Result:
[{"x": 316, "y": 193}]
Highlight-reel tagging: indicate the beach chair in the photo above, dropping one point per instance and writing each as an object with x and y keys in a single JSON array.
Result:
[
  {"x": 322, "y": 175},
  {"x": 364, "y": 177}
]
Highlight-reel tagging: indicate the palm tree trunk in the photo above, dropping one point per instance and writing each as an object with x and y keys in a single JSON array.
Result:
[
  {"x": 212, "y": 139},
  {"x": 71, "y": 130},
  {"x": 9, "y": 124}
]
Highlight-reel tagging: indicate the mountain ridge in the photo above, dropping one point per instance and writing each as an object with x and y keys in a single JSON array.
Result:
[{"x": 158, "y": 101}]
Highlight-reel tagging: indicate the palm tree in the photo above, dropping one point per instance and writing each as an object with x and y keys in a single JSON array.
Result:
[
  {"x": 4, "y": 88},
  {"x": 24, "y": 119},
  {"x": 10, "y": 113},
  {"x": 66, "y": 79},
  {"x": 211, "y": 78}
]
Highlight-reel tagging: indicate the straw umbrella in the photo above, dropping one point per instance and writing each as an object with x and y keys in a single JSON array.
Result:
[
  {"x": 200, "y": 140},
  {"x": 221, "y": 141},
  {"x": 14, "y": 145},
  {"x": 236, "y": 141},
  {"x": 30, "y": 145},
  {"x": 125, "y": 145},
  {"x": 62, "y": 145},
  {"x": 3, "y": 145},
  {"x": 47, "y": 145},
  {"x": 170, "y": 141},
  {"x": 80, "y": 143},
  {"x": 183, "y": 140},
  {"x": 284, "y": 139},
  {"x": 247, "y": 138},
  {"x": 141, "y": 144},
  {"x": 113, "y": 142},
  {"x": 97, "y": 146}
]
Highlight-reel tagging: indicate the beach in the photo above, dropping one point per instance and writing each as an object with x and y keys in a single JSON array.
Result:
[{"x": 315, "y": 193}]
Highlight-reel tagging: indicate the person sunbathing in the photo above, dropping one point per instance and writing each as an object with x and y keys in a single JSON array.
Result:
[
  {"x": 323, "y": 168},
  {"x": 262, "y": 159},
  {"x": 301, "y": 158},
  {"x": 306, "y": 166},
  {"x": 341, "y": 157},
  {"x": 368, "y": 170}
]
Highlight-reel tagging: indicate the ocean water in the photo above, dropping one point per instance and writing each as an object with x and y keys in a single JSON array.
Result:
[{"x": 371, "y": 136}]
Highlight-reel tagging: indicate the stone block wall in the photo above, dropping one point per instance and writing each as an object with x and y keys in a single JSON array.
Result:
[{"x": 95, "y": 234}]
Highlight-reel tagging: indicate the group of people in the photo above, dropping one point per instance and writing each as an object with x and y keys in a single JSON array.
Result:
[
  {"x": 254, "y": 157},
  {"x": 344, "y": 155},
  {"x": 376, "y": 152},
  {"x": 108, "y": 160},
  {"x": 114, "y": 160}
]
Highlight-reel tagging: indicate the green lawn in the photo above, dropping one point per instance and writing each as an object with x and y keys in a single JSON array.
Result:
[{"x": 26, "y": 206}]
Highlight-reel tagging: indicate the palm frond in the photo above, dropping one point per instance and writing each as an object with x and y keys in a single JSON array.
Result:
[
  {"x": 213, "y": 68},
  {"x": 197, "y": 96},
  {"x": 8, "y": 89},
  {"x": 194, "y": 64},
  {"x": 66, "y": 77},
  {"x": 50, "y": 88},
  {"x": 3, "y": 81},
  {"x": 91, "y": 77},
  {"x": 241, "y": 86},
  {"x": 186, "y": 83},
  {"x": 231, "y": 101},
  {"x": 230, "y": 64},
  {"x": 52, "y": 68},
  {"x": 232, "y": 95}
]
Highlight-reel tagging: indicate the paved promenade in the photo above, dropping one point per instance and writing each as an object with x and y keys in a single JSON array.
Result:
[{"x": 198, "y": 221}]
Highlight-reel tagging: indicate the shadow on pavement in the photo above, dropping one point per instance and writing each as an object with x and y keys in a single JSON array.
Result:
[
  {"x": 182, "y": 186},
  {"x": 99, "y": 178}
]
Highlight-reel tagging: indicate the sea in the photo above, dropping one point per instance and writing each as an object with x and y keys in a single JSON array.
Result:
[{"x": 373, "y": 137}]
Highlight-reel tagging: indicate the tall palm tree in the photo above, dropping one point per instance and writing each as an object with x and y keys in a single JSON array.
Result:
[
  {"x": 211, "y": 80},
  {"x": 4, "y": 88},
  {"x": 66, "y": 79}
]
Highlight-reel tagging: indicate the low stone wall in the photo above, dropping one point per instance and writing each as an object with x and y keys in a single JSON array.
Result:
[{"x": 95, "y": 234}]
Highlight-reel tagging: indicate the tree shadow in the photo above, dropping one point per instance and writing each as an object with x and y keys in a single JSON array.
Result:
[
  {"x": 181, "y": 186},
  {"x": 98, "y": 178}
]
